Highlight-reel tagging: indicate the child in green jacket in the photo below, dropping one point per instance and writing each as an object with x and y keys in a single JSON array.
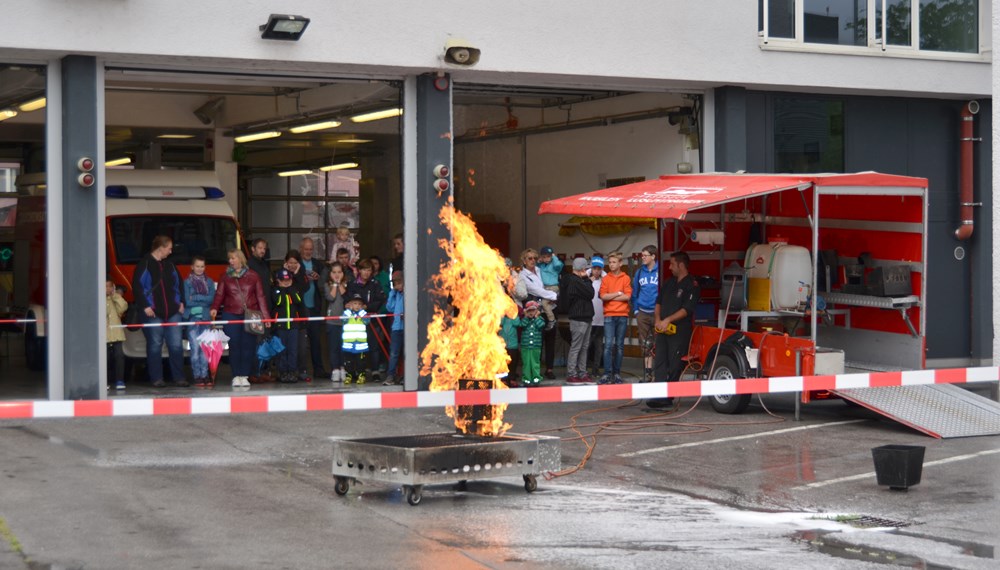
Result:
[
  {"x": 531, "y": 344},
  {"x": 508, "y": 332}
]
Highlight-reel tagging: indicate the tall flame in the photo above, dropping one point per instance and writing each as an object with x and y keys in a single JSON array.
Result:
[{"x": 462, "y": 339}]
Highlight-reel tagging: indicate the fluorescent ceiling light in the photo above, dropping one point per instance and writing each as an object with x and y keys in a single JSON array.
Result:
[
  {"x": 33, "y": 105},
  {"x": 354, "y": 140},
  {"x": 169, "y": 136},
  {"x": 7, "y": 114},
  {"x": 315, "y": 127},
  {"x": 377, "y": 115},
  {"x": 341, "y": 166},
  {"x": 257, "y": 136},
  {"x": 294, "y": 172},
  {"x": 118, "y": 161}
]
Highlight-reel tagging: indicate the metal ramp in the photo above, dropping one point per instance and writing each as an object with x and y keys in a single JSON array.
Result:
[{"x": 939, "y": 410}]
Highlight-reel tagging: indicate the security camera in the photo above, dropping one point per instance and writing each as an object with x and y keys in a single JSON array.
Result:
[
  {"x": 458, "y": 52},
  {"x": 207, "y": 112}
]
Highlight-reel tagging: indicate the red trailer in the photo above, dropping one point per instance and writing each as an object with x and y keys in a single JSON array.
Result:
[{"x": 859, "y": 240}]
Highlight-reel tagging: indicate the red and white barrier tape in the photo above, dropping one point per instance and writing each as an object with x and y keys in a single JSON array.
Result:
[
  {"x": 539, "y": 395},
  {"x": 241, "y": 321}
]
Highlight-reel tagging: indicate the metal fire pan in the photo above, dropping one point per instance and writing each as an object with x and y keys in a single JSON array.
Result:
[{"x": 443, "y": 458}]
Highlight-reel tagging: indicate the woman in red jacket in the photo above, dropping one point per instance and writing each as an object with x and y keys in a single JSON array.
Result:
[{"x": 239, "y": 289}]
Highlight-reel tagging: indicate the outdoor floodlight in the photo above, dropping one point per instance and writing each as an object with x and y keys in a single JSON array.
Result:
[{"x": 284, "y": 27}]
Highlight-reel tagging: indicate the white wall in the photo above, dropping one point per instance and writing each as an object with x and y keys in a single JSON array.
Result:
[{"x": 649, "y": 44}]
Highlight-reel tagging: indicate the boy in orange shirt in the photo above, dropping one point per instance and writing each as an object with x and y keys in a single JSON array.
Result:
[{"x": 615, "y": 291}]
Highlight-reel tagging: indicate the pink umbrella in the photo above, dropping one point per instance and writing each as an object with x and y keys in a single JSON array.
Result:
[{"x": 213, "y": 344}]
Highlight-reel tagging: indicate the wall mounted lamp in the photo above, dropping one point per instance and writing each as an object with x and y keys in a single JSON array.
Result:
[{"x": 284, "y": 27}]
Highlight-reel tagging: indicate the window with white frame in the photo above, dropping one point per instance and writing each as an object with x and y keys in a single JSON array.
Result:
[{"x": 950, "y": 26}]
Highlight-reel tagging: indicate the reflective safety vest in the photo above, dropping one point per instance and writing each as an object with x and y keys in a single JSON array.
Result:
[{"x": 355, "y": 331}]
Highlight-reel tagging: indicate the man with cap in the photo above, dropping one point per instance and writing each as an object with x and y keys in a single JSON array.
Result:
[
  {"x": 287, "y": 303},
  {"x": 531, "y": 344},
  {"x": 355, "y": 338},
  {"x": 578, "y": 292},
  {"x": 596, "y": 349}
]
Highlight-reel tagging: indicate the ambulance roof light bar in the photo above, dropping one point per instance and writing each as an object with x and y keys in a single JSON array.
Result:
[{"x": 174, "y": 193}]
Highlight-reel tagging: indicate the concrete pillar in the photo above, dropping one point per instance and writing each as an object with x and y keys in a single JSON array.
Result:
[
  {"x": 427, "y": 142},
  {"x": 78, "y": 258}
]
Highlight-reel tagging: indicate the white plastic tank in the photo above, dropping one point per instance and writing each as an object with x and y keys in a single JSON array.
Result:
[{"x": 789, "y": 269}]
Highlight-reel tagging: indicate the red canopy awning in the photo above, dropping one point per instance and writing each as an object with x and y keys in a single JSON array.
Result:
[{"x": 672, "y": 197}]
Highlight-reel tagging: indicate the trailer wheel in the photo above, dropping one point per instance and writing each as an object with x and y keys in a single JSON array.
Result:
[
  {"x": 530, "y": 483},
  {"x": 341, "y": 486},
  {"x": 34, "y": 346},
  {"x": 412, "y": 494},
  {"x": 726, "y": 369}
]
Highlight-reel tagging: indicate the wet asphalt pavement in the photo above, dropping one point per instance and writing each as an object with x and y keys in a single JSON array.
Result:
[{"x": 697, "y": 490}]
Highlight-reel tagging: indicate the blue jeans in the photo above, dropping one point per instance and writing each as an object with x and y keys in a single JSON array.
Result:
[
  {"x": 242, "y": 346},
  {"x": 199, "y": 362},
  {"x": 614, "y": 338},
  {"x": 395, "y": 350},
  {"x": 154, "y": 348}
]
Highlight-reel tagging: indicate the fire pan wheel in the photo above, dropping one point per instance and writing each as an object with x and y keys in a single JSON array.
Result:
[
  {"x": 530, "y": 483},
  {"x": 342, "y": 485},
  {"x": 413, "y": 494}
]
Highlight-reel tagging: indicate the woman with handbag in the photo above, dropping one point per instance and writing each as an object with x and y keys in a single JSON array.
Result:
[{"x": 240, "y": 296}]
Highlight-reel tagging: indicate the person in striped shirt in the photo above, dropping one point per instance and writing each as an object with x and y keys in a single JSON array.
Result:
[{"x": 355, "y": 339}]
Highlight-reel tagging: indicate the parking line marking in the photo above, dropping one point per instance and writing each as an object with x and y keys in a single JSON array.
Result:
[
  {"x": 872, "y": 474},
  {"x": 737, "y": 438}
]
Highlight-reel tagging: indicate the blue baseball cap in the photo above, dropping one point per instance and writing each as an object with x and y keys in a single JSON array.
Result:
[
  {"x": 546, "y": 250},
  {"x": 597, "y": 261}
]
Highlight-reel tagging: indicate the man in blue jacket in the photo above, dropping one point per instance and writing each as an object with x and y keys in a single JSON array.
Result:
[{"x": 645, "y": 289}]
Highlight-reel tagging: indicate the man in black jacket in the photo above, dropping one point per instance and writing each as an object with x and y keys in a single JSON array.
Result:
[
  {"x": 578, "y": 293},
  {"x": 157, "y": 288},
  {"x": 259, "y": 265}
]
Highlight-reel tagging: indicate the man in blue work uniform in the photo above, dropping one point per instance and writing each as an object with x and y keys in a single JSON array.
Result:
[{"x": 674, "y": 316}]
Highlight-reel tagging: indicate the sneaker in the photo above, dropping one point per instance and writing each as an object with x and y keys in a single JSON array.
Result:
[
  {"x": 182, "y": 384},
  {"x": 348, "y": 378},
  {"x": 376, "y": 376},
  {"x": 335, "y": 375},
  {"x": 288, "y": 378},
  {"x": 200, "y": 382},
  {"x": 120, "y": 385},
  {"x": 361, "y": 378},
  {"x": 586, "y": 380},
  {"x": 550, "y": 375},
  {"x": 390, "y": 380},
  {"x": 159, "y": 383},
  {"x": 618, "y": 379},
  {"x": 606, "y": 379},
  {"x": 574, "y": 381}
]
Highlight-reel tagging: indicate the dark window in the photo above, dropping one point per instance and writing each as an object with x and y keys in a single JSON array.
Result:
[
  {"x": 841, "y": 22},
  {"x": 898, "y": 24},
  {"x": 808, "y": 135},
  {"x": 949, "y": 25},
  {"x": 192, "y": 235},
  {"x": 780, "y": 18}
]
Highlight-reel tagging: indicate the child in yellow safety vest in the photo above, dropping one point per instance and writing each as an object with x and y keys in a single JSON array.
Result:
[{"x": 355, "y": 339}]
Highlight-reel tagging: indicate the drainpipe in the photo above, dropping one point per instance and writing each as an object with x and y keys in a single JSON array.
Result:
[{"x": 965, "y": 202}]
